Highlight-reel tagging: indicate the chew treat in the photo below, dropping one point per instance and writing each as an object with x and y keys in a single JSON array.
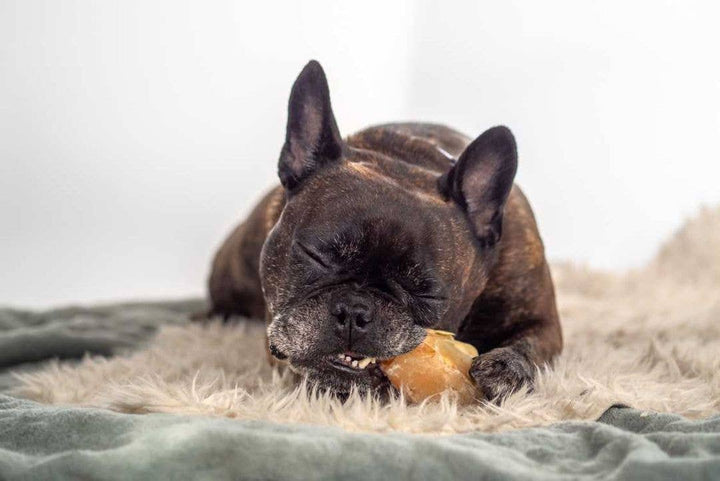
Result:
[{"x": 439, "y": 363}]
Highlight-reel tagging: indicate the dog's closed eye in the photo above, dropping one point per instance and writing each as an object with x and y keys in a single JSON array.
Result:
[{"x": 312, "y": 255}]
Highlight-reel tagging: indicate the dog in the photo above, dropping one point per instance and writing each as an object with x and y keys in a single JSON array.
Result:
[{"x": 371, "y": 239}]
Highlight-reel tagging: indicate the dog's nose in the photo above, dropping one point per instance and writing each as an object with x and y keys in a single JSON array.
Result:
[{"x": 352, "y": 312}]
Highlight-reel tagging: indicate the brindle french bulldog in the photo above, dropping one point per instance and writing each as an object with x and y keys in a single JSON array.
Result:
[{"x": 374, "y": 238}]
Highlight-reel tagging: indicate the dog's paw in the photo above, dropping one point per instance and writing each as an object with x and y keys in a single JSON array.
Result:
[{"x": 500, "y": 372}]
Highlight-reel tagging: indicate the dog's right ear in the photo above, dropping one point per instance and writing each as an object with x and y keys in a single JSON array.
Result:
[{"x": 312, "y": 138}]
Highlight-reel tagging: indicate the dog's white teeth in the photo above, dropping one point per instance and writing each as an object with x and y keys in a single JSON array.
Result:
[
  {"x": 364, "y": 362},
  {"x": 357, "y": 363}
]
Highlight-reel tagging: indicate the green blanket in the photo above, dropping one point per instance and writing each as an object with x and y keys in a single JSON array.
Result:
[
  {"x": 29, "y": 339},
  {"x": 49, "y": 442},
  {"x": 54, "y": 443}
]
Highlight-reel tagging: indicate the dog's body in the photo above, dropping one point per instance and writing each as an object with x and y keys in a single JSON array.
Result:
[{"x": 371, "y": 239}]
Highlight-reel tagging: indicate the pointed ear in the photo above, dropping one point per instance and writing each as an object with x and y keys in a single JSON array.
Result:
[
  {"x": 312, "y": 138},
  {"x": 481, "y": 180}
]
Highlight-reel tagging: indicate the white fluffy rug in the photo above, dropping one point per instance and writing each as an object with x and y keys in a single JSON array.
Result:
[{"x": 648, "y": 338}]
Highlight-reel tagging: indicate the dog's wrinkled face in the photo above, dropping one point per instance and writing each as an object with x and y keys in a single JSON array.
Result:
[
  {"x": 349, "y": 281},
  {"x": 368, "y": 252}
]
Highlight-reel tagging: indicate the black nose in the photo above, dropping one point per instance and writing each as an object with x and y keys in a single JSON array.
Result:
[{"x": 353, "y": 312}]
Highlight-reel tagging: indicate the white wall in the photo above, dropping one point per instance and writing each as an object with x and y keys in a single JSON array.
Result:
[
  {"x": 615, "y": 106},
  {"x": 134, "y": 134}
]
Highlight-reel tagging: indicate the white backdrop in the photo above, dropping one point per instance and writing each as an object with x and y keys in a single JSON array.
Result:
[{"x": 134, "y": 134}]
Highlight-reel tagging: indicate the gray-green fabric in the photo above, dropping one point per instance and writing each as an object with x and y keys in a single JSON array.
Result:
[
  {"x": 51, "y": 442},
  {"x": 54, "y": 443},
  {"x": 28, "y": 339}
]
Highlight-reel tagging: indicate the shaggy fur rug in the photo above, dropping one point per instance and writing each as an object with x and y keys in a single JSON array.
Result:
[{"x": 648, "y": 338}]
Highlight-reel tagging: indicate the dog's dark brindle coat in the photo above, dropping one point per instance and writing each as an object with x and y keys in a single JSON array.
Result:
[{"x": 371, "y": 239}]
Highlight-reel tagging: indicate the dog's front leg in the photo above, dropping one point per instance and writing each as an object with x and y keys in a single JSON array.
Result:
[{"x": 504, "y": 370}]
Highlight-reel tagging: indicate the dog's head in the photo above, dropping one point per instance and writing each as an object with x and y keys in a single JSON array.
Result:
[{"x": 369, "y": 251}]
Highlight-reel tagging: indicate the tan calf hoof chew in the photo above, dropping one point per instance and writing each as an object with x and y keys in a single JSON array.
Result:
[{"x": 438, "y": 364}]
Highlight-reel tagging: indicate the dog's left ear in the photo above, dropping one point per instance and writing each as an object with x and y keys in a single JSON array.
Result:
[
  {"x": 312, "y": 138},
  {"x": 481, "y": 180}
]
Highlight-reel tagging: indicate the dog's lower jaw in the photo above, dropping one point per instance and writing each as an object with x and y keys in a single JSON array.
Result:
[{"x": 324, "y": 377}]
